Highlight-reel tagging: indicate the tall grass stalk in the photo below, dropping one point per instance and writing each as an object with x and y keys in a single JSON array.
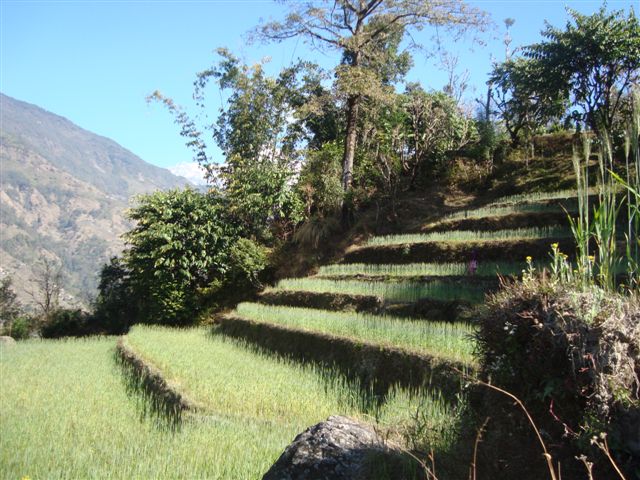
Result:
[
  {"x": 632, "y": 185},
  {"x": 605, "y": 215},
  {"x": 580, "y": 226}
]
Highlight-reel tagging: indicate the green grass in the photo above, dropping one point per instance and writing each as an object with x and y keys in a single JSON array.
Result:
[
  {"x": 403, "y": 291},
  {"x": 66, "y": 414},
  {"x": 538, "y": 197},
  {"x": 488, "y": 269},
  {"x": 499, "y": 211},
  {"x": 451, "y": 341},
  {"x": 471, "y": 236},
  {"x": 233, "y": 382},
  {"x": 65, "y": 411}
]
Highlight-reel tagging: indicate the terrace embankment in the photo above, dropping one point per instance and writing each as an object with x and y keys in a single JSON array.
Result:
[
  {"x": 164, "y": 399},
  {"x": 426, "y": 308},
  {"x": 323, "y": 300},
  {"x": 493, "y": 250},
  {"x": 378, "y": 366},
  {"x": 499, "y": 222}
]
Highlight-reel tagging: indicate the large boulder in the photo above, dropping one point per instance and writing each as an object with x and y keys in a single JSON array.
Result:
[
  {"x": 336, "y": 449},
  {"x": 5, "y": 340}
]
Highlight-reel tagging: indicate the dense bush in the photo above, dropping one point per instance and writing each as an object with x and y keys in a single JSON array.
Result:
[
  {"x": 573, "y": 357},
  {"x": 67, "y": 323}
]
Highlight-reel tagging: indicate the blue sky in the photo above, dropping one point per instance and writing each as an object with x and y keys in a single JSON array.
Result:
[{"x": 94, "y": 62}]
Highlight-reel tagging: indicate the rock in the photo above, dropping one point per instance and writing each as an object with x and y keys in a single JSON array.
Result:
[
  {"x": 4, "y": 340},
  {"x": 336, "y": 449}
]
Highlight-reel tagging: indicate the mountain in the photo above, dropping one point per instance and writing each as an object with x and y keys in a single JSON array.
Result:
[{"x": 63, "y": 193}]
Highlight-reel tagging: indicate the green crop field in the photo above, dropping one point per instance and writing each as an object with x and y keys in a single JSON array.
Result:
[
  {"x": 403, "y": 291},
  {"x": 65, "y": 411},
  {"x": 500, "y": 211},
  {"x": 471, "y": 236},
  {"x": 451, "y": 341},
  {"x": 485, "y": 269}
]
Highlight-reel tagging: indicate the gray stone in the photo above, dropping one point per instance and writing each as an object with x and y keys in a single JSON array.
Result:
[
  {"x": 336, "y": 449},
  {"x": 4, "y": 340}
]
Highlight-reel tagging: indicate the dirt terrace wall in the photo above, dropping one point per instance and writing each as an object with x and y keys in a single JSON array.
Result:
[
  {"x": 324, "y": 301},
  {"x": 164, "y": 398},
  {"x": 423, "y": 309},
  {"x": 445, "y": 252},
  {"x": 375, "y": 365},
  {"x": 504, "y": 222}
]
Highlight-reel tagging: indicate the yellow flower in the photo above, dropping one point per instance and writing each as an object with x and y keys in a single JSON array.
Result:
[
  {"x": 554, "y": 246},
  {"x": 591, "y": 258},
  {"x": 529, "y": 259}
]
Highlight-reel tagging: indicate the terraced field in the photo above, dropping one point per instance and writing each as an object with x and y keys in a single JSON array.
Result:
[
  {"x": 408, "y": 295},
  {"x": 382, "y": 336},
  {"x": 67, "y": 410}
]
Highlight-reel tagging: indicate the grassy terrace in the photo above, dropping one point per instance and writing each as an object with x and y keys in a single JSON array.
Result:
[
  {"x": 403, "y": 291},
  {"x": 444, "y": 340},
  {"x": 500, "y": 211},
  {"x": 65, "y": 411},
  {"x": 234, "y": 382},
  {"x": 486, "y": 269},
  {"x": 66, "y": 414},
  {"x": 467, "y": 236}
]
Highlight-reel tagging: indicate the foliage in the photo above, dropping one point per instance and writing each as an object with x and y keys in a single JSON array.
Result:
[
  {"x": 246, "y": 260},
  {"x": 570, "y": 354},
  {"x": 319, "y": 182},
  {"x": 260, "y": 142},
  {"x": 593, "y": 62},
  {"x": 66, "y": 323},
  {"x": 368, "y": 36},
  {"x": 262, "y": 199},
  {"x": 10, "y": 307},
  {"x": 22, "y": 327},
  {"x": 115, "y": 306},
  {"x": 518, "y": 96},
  {"x": 180, "y": 244}
]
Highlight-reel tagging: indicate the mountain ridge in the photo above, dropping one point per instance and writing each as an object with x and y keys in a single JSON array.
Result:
[{"x": 63, "y": 193}]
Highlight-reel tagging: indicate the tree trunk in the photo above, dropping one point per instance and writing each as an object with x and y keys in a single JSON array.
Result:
[{"x": 353, "y": 106}]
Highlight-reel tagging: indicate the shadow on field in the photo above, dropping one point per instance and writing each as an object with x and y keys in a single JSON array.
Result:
[{"x": 155, "y": 398}]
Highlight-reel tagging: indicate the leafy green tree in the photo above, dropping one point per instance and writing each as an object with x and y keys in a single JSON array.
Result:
[
  {"x": 366, "y": 34},
  {"x": 115, "y": 309},
  {"x": 593, "y": 62},
  {"x": 260, "y": 142},
  {"x": 10, "y": 307},
  {"x": 179, "y": 245},
  {"x": 519, "y": 95}
]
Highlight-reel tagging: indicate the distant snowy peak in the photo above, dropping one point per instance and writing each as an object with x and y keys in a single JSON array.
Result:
[{"x": 191, "y": 171}]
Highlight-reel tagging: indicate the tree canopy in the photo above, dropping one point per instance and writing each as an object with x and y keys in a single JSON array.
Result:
[
  {"x": 592, "y": 63},
  {"x": 367, "y": 35}
]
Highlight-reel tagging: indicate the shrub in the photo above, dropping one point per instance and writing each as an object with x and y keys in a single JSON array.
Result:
[
  {"x": 572, "y": 355},
  {"x": 66, "y": 323},
  {"x": 21, "y": 328}
]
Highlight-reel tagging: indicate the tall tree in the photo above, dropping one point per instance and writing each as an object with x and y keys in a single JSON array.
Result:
[
  {"x": 356, "y": 29},
  {"x": 593, "y": 61}
]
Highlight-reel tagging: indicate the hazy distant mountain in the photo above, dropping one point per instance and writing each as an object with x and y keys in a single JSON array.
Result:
[
  {"x": 63, "y": 192},
  {"x": 191, "y": 171}
]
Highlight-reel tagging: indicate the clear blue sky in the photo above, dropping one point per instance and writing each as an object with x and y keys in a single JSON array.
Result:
[{"x": 94, "y": 62}]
